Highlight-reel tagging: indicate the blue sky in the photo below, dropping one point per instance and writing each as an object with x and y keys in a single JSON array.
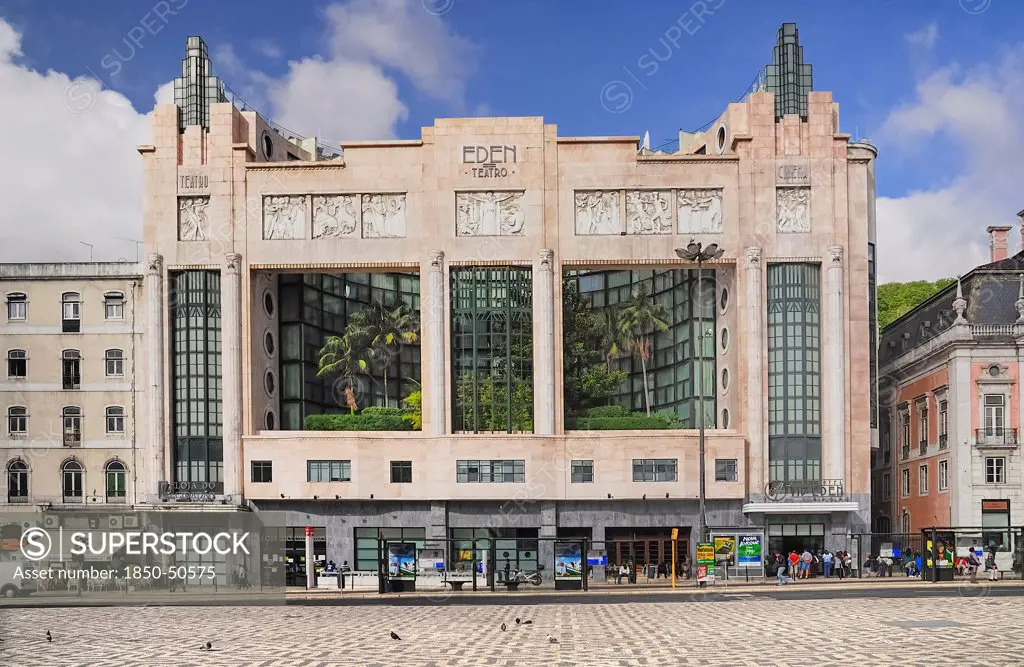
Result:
[{"x": 304, "y": 64}]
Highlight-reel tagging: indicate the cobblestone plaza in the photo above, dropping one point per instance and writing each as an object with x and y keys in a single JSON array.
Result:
[{"x": 748, "y": 629}]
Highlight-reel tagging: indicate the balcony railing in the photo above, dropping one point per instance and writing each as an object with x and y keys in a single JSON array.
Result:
[
  {"x": 17, "y": 499},
  {"x": 996, "y": 437},
  {"x": 943, "y": 440},
  {"x": 74, "y": 499},
  {"x": 116, "y": 500},
  {"x": 924, "y": 447},
  {"x": 906, "y": 452},
  {"x": 73, "y": 439}
]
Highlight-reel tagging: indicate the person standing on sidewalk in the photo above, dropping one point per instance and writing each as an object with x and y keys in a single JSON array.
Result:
[
  {"x": 779, "y": 562},
  {"x": 972, "y": 563},
  {"x": 805, "y": 563},
  {"x": 826, "y": 563},
  {"x": 794, "y": 558}
]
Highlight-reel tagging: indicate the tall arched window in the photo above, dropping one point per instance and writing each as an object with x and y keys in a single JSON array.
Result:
[
  {"x": 116, "y": 480},
  {"x": 17, "y": 482},
  {"x": 72, "y": 418},
  {"x": 17, "y": 420},
  {"x": 73, "y": 481}
]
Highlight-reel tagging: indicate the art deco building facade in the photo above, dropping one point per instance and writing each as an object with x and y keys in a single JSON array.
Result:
[{"x": 508, "y": 402}]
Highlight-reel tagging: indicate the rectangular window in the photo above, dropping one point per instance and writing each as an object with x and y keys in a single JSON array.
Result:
[
  {"x": 491, "y": 472},
  {"x": 943, "y": 424},
  {"x": 71, "y": 363},
  {"x": 654, "y": 470},
  {"x": 492, "y": 349},
  {"x": 725, "y": 470},
  {"x": 401, "y": 472},
  {"x": 995, "y": 470},
  {"x": 367, "y": 543},
  {"x": 994, "y": 423},
  {"x": 115, "y": 419},
  {"x": 922, "y": 480},
  {"x": 886, "y": 486},
  {"x": 328, "y": 471},
  {"x": 944, "y": 475},
  {"x": 582, "y": 472},
  {"x": 905, "y": 428},
  {"x": 17, "y": 364},
  {"x": 922, "y": 424},
  {"x": 794, "y": 372},
  {"x": 995, "y": 519},
  {"x": 113, "y": 306},
  {"x": 905, "y": 483},
  {"x": 71, "y": 312},
  {"x": 17, "y": 306},
  {"x": 262, "y": 471},
  {"x": 113, "y": 362}
]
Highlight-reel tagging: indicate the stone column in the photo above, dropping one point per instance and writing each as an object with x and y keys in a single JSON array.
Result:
[
  {"x": 833, "y": 327},
  {"x": 755, "y": 350},
  {"x": 231, "y": 373},
  {"x": 156, "y": 321},
  {"x": 544, "y": 344},
  {"x": 433, "y": 308}
]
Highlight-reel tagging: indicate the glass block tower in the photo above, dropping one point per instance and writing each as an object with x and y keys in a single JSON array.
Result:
[
  {"x": 788, "y": 76},
  {"x": 197, "y": 87}
]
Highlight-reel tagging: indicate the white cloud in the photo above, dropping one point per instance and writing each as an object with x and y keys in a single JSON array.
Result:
[
  {"x": 941, "y": 231},
  {"x": 924, "y": 38},
  {"x": 74, "y": 174},
  {"x": 268, "y": 48}
]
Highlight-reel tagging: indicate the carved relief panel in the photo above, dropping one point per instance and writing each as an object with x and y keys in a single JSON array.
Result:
[
  {"x": 284, "y": 217},
  {"x": 793, "y": 210},
  {"x": 193, "y": 224},
  {"x": 648, "y": 212},
  {"x": 598, "y": 212},
  {"x": 335, "y": 216},
  {"x": 384, "y": 216},
  {"x": 489, "y": 214},
  {"x": 700, "y": 211}
]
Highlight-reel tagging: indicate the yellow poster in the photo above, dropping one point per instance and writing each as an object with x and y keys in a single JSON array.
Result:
[
  {"x": 724, "y": 547},
  {"x": 705, "y": 554},
  {"x": 465, "y": 554}
]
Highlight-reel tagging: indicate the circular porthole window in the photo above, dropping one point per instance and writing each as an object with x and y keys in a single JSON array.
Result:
[
  {"x": 725, "y": 379},
  {"x": 720, "y": 138},
  {"x": 268, "y": 343},
  {"x": 269, "y": 383},
  {"x": 268, "y": 145},
  {"x": 725, "y": 339},
  {"x": 725, "y": 418},
  {"x": 270, "y": 420},
  {"x": 268, "y": 304},
  {"x": 993, "y": 370},
  {"x": 723, "y": 302}
]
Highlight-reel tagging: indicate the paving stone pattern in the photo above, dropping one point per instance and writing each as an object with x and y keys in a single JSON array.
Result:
[{"x": 746, "y": 631}]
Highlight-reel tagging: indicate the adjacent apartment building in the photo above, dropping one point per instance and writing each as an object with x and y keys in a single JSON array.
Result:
[
  {"x": 70, "y": 387},
  {"x": 950, "y": 405}
]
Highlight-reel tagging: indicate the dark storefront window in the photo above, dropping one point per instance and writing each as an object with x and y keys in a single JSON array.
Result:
[
  {"x": 995, "y": 519},
  {"x": 492, "y": 357},
  {"x": 196, "y": 379},
  {"x": 366, "y": 544},
  {"x": 794, "y": 372}
]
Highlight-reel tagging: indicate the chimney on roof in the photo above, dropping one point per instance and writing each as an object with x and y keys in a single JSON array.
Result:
[{"x": 998, "y": 236}]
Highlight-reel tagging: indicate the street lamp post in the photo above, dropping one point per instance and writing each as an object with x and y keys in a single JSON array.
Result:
[{"x": 695, "y": 252}]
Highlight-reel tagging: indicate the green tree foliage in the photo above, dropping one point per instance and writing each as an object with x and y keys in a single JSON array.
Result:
[
  {"x": 897, "y": 299},
  {"x": 641, "y": 317},
  {"x": 586, "y": 359},
  {"x": 486, "y": 404},
  {"x": 371, "y": 342}
]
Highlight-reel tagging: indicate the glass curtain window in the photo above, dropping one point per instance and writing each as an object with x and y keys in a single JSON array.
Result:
[
  {"x": 366, "y": 540},
  {"x": 794, "y": 372},
  {"x": 492, "y": 350},
  {"x": 316, "y": 306},
  {"x": 196, "y": 380}
]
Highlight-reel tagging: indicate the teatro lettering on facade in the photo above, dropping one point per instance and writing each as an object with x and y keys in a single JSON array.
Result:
[
  {"x": 492, "y": 161},
  {"x": 828, "y": 490}
]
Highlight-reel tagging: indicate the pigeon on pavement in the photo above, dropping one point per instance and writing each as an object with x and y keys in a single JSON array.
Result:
[
  {"x": 206, "y": 647},
  {"x": 503, "y": 627},
  {"x": 48, "y": 637},
  {"x": 394, "y": 636},
  {"x": 552, "y": 640}
]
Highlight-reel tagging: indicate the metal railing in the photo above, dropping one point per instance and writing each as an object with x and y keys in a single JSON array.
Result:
[
  {"x": 943, "y": 440},
  {"x": 906, "y": 452},
  {"x": 924, "y": 447},
  {"x": 996, "y": 437},
  {"x": 324, "y": 151}
]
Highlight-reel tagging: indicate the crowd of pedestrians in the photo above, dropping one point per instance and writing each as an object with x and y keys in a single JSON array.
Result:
[{"x": 806, "y": 564}]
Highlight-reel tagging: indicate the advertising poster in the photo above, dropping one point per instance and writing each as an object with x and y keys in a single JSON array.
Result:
[
  {"x": 749, "y": 551},
  {"x": 705, "y": 562},
  {"x": 725, "y": 546},
  {"x": 568, "y": 561},
  {"x": 402, "y": 561}
]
